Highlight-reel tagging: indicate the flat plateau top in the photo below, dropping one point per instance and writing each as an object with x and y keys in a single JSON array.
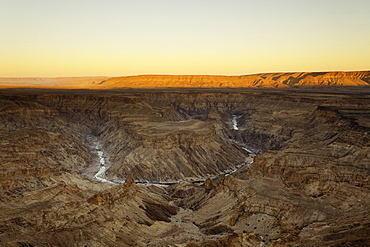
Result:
[{"x": 264, "y": 80}]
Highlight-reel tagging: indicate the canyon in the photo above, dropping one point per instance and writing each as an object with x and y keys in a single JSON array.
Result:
[{"x": 159, "y": 165}]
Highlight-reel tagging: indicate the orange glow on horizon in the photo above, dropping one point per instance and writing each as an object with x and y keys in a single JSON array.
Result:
[{"x": 243, "y": 37}]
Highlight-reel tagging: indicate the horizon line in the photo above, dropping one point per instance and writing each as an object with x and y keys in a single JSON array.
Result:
[{"x": 163, "y": 74}]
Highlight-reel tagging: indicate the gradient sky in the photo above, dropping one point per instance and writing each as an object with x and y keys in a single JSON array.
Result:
[{"x": 229, "y": 37}]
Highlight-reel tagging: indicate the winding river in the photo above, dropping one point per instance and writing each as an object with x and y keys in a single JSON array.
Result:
[
  {"x": 102, "y": 169},
  {"x": 103, "y": 166}
]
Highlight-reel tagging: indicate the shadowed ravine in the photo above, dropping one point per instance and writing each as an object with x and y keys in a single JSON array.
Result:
[{"x": 241, "y": 167}]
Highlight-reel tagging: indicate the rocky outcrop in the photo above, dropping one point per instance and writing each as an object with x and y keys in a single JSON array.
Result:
[
  {"x": 188, "y": 149},
  {"x": 330, "y": 149},
  {"x": 276, "y": 214},
  {"x": 308, "y": 185}
]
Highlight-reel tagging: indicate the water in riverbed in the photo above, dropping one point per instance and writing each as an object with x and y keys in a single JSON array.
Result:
[
  {"x": 235, "y": 122},
  {"x": 103, "y": 165}
]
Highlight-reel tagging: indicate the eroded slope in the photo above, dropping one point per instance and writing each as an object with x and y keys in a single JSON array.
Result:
[{"x": 309, "y": 185}]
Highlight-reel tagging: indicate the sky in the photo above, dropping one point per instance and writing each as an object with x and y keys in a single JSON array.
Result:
[{"x": 229, "y": 37}]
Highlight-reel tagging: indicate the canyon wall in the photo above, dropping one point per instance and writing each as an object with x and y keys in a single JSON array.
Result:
[{"x": 307, "y": 186}]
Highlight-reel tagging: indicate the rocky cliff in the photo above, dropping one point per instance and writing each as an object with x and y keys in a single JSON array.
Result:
[{"x": 307, "y": 186}]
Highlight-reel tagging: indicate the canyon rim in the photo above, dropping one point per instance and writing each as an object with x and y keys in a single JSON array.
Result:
[{"x": 273, "y": 159}]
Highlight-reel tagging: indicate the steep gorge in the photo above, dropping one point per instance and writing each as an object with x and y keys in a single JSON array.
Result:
[{"x": 309, "y": 185}]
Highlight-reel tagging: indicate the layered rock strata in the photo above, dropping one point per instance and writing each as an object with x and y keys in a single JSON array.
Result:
[{"x": 308, "y": 185}]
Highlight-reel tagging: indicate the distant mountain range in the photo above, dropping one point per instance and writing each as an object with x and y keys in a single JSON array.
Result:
[{"x": 263, "y": 80}]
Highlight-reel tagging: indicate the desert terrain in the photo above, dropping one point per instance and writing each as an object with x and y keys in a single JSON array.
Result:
[
  {"x": 263, "y": 80},
  {"x": 263, "y": 160}
]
